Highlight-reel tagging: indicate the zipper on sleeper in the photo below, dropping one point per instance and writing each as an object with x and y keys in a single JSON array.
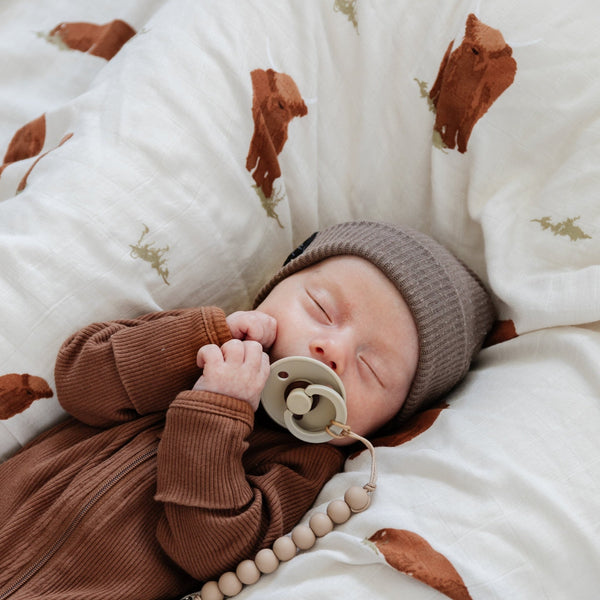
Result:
[{"x": 35, "y": 568}]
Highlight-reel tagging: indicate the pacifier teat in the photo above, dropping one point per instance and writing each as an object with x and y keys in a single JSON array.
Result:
[{"x": 305, "y": 396}]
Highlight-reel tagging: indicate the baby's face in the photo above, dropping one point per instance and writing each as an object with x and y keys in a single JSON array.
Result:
[{"x": 346, "y": 313}]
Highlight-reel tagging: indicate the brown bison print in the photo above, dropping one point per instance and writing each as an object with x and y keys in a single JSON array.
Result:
[
  {"x": 275, "y": 102},
  {"x": 100, "y": 40},
  {"x": 18, "y": 392},
  {"x": 470, "y": 80},
  {"x": 26, "y": 143},
  {"x": 409, "y": 553}
]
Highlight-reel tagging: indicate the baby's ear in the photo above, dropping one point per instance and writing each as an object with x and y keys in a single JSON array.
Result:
[{"x": 18, "y": 391}]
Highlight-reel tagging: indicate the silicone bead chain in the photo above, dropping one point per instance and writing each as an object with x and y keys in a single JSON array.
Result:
[{"x": 303, "y": 537}]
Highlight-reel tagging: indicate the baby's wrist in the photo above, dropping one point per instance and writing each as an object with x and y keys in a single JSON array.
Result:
[{"x": 204, "y": 401}]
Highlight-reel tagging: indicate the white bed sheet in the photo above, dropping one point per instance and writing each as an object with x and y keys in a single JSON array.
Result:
[{"x": 136, "y": 195}]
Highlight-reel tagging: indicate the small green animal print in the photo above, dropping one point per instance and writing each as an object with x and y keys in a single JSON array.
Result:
[
  {"x": 270, "y": 203},
  {"x": 423, "y": 85},
  {"x": 53, "y": 38},
  {"x": 565, "y": 228},
  {"x": 152, "y": 255},
  {"x": 436, "y": 137},
  {"x": 348, "y": 8}
]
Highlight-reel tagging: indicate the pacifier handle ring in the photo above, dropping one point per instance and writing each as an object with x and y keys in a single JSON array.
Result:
[{"x": 308, "y": 435}]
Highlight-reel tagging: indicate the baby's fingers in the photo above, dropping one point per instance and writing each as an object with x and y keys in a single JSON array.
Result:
[
  {"x": 234, "y": 351},
  {"x": 209, "y": 354},
  {"x": 253, "y": 325},
  {"x": 238, "y": 368}
]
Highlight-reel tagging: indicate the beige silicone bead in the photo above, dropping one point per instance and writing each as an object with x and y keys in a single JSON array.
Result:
[
  {"x": 303, "y": 537},
  {"x": 266, "y": 561},
  {"x": 321, "y": 524},
  {"x": 339, "y": 512},
  {"x": 357, "y": 498},
  {"x": 247, "y": 572},
  {"x": 229, "y": 584},
  {"x": 210, "y": 591},
  {"x": 284, "y": 548}
]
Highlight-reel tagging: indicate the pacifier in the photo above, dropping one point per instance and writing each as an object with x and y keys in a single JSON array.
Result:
[{"x": 307, "y": 397}]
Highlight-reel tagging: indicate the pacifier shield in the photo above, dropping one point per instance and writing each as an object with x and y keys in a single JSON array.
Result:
[{"x": 304, "y": 395}]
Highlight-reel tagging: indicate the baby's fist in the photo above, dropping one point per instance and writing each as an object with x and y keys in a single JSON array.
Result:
[
  {"x": 238, "y": 368},
  {"x": 253, "y": 325}
]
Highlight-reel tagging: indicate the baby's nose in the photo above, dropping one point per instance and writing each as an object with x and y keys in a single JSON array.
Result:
[{"x": 329, "y": 353}]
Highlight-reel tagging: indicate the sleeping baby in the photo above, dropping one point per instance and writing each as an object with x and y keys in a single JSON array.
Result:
[{"x": 169, "y": 472}]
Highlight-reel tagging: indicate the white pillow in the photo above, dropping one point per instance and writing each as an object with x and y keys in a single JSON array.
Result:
[{"x": 150, "y": 204}]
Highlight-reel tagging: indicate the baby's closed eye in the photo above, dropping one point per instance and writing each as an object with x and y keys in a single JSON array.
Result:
[
  {"x": 321, "y": 307},
  {"x": 370, "y": 369}
]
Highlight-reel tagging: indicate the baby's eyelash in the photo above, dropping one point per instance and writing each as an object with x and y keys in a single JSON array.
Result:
[
  {"x": 319, "y": 306},
  {"x": 372, "y": 371}
]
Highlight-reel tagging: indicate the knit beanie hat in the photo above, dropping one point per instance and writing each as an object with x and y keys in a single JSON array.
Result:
[{"x": 451, "y": 308}]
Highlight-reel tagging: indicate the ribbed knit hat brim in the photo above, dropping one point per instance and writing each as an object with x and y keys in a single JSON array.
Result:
[{"x": 452, "y": 310}]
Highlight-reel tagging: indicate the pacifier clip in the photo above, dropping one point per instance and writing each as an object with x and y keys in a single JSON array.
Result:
[{"x": 303, "y": 537}]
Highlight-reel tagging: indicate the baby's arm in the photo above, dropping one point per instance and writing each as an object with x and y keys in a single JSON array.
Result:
[
  {"x": 112, "y": 372},
  {"x": 228, "y": 490}
]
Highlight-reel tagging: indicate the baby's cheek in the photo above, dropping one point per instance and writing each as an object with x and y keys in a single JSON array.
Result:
[
  {"x": 280, "y": 349},
  {"x": 353, "y": 407},
  {"x": 273, "y": 353}
]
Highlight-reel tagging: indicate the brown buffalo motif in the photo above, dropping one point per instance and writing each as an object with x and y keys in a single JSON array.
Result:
[
  {"x": 470, "y": 80},
  {"x": 275, "y": 102},
  {"x": 18, "y": 391},
  {"x": 23, "y": 181},
  {"x": 502, "y": 331},
  {"x": 26, "y": 143},
  {"x": 413, "y": 427},
  {"x": 100, "y": 40},
  {"x": 411, "y": 554}
]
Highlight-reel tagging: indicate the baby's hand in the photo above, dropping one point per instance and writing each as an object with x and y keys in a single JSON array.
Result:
[
  {"x": 238, "y": 368},
  {"x": 253, "y": 325}
]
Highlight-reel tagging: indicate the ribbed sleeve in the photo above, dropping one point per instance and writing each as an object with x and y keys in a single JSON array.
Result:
[
  {"x": 201, "y": 452},
  {"x": 228, "y": 490},
  {"x": 112, "y": 372}
]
